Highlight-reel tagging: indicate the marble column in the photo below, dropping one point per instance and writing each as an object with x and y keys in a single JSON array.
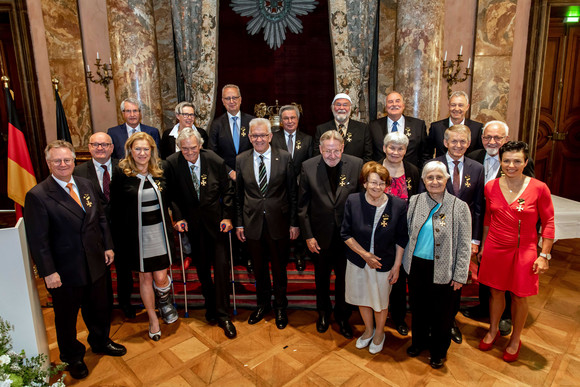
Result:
[
  {"x": 492, "y": 60},
  {"x": 65, "y": 57},
  {"x": 418, "y": 62},
  {"x": 135, "y": 57},
  {"x": 387, "y": 45}
]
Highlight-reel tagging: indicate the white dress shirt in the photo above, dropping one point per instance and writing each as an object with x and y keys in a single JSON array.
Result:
[
  {"x": 100, "y": 171},
  {"x": 130, "y": 129},
  {"x": 287, "y": 136},
  {"x": 74, "y": 186},
  {"x": 451, "y": 167},
  {"x": 491, "y": 166},
  {"x": 400, "y": 124}
]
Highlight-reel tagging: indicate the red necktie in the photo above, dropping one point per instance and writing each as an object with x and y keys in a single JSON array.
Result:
[
  {"x": 456, "y": 177},
  {"x": 106, "y": 182}
]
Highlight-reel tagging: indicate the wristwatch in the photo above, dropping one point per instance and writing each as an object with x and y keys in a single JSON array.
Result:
[{"x": 547, "y": 256}]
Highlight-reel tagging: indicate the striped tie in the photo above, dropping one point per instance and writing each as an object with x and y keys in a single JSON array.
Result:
[{"x": 262, "y": 178}]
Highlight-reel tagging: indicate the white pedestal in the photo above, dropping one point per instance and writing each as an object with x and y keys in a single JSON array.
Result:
[{"x": 19, "y": 302}]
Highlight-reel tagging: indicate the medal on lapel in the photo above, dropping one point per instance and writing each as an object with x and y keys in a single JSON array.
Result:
[
  {"x": 349, "y": 137},
  {"x": 521, "y": 203},
  {"x": 385, "y": 220},
  {"x": 409, "y": 186},
  {"x": 442, "y": 220},
  {"x": 467, "y": 181},
  {"x": 342, "y": 181},
  {"x": 158, "y": 183},
  {"x": 408, "y": 132},
  {"x": 298, "y": 144},
  {"x": 203, "y": 181},
  {"x": 88, "y": 202},
  {"x": 243, "y": 131}
]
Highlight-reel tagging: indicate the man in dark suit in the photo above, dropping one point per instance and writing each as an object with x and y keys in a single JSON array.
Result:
[
  {"x": 495, "y": 134},
  {"x": 131, "y": 109},
  {"x": 228, "y": 134},
  {"x": 325, "y": 183},
  {"x": 458, "y": 107},
  {"x": 357, "y": 139},
  {"x": 299, "y": 145},
  {"x": 202, "y": 197},
  {"x": 466, "y": 183},
  {"x": 413, "y": 128},
  {"x": 70, "y": 242},
  {"x": 267, "y": 216},
  {"x": 185, "y": 114},
  {"x": 99, "y": 171}
]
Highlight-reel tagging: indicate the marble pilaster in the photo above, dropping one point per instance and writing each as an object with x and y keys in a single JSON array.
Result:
[
  {"x": 418, "y": 67},
  {"x": 135, "y": 56},
  {"x": 64, "y": 45},
  {"x": 493, "y": 57},
  {"x": 165, "y": 50},
  {"x": 386, "y": 65}
]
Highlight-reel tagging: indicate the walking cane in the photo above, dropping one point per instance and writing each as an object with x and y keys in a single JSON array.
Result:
[
  {"x": 183, "y": 272},
  {"x": 232, "y": 270}
]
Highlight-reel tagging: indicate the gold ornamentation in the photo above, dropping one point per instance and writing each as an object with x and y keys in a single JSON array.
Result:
[
  {"x": 342, "y": 181},
  {"x": 298, "y": 144},
  {"x": 408, "y": 131},
  {"x": 442, "y": 220},
  {"x": 385, "y": 220},
  {"x": 409, "y": 185},
  {"x": 159, "y": 187},
  {"x": 521, "y": 203},
  {"x": 243, "y": 131},
  {"x": 348, "y": 136},
  {"x": 467, "y": 181},
  {"x": 203, "y": 181},
  {"x": 88, "y": 202}
]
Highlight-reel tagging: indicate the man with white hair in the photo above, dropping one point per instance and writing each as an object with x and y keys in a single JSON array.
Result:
[
  {"x": 185, "y": 114},
  {"x": 357, "y": 138}
]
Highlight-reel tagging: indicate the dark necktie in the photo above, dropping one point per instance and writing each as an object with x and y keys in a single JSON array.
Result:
[
  {"x": 106, "y": 182},
  {"x": 456, "y": 177},
  {"x": 290, "y": 143},
  {"x": 195, "y": 180},
  {"x": 262, "y": 178},
  {"x": 395, "y": 124}
]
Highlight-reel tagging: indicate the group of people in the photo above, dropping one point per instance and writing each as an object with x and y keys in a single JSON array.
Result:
[{"x": 381, "y": 204}]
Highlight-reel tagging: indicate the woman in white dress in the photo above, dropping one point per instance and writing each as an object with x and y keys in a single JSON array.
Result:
[{"x": 375, "y": 229}]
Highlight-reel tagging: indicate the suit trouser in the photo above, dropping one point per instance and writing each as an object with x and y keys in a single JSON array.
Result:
[
  {"x": 431, "y": 307},
  {"x": 331, "y": 258},
  {"x": 217, "y": 292},
  {"x": 398, "y": 298},
  {"x": 124, "y": 282},
  {"x": 278, "y": 250},
  {"x": 93, "y": 302}
]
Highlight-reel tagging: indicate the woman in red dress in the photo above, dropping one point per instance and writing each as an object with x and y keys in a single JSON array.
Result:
[{"x": 509, "y": 255}]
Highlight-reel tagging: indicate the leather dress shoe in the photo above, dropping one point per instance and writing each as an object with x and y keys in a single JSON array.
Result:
[
  {"x": 229, "y": 328},
  {"x": 281, "y": 318},
  {"x": 211, "y": 318},
  {"x": 505, "y": 326},
  {"x": 414, "y": 351},
  {"x": 436, "y": 363},
  {"x": 111, "y": 349},
  {"x": 474, "y": 312},
  {"x": 300, "y": 264},
  {"x": 402, "y": 328},
  {"x": 78, "y": 369},
  {"x": 345, "y": 329},
  {"x": 258, "y": 315},
  {"x": 128, "y": 311},
  {"x": 323, "y": 322},
  {"x": 456, "y": 334}
]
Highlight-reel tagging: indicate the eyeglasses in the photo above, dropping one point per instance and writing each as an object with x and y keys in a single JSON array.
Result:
[
  {"x": 230, "y": 99},
  {"x": 56, "y": 163},
  {"x": 259, "y": 136},
  {"x": 495, "y": 138},
  {"x": 339, "y": 105},
  {"x": 187, "y": 115},
  {"x": 376, "y": 183},
  {"x": 100, "y": 144},
  {"x": 131, "y": 111}
]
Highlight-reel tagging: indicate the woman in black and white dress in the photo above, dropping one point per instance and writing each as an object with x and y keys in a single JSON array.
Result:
[{"x": 141, "y": 225}]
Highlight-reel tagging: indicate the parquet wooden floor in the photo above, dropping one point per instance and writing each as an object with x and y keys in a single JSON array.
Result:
[{"x": 192, "y": 353}]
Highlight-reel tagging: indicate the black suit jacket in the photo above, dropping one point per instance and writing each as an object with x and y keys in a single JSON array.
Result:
[
  {"x": 479, "y": 156},
  {"x": 277, "y": 207},
  {"x": 119, "y": 136},
  {"x": 416, "y": 131},
  {"x": 87, "y": 170},
  {"x": 412, "y": 175},
  {"x": 437, "y": 131},
  {"x": 320, "y": 211},
  {"x": 357, "y": 142},
  {"x": 221, "y": 141},
  {"x": 167, "y": 144},
  {"x": 62, "y": 237},
  {"x": 216, "y": 192},
  {"x": 302, "y": 147},
  {"x": 471, "y": 191}
]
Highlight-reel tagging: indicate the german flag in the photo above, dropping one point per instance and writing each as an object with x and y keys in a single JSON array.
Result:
[{"x": 20, "y": 173}]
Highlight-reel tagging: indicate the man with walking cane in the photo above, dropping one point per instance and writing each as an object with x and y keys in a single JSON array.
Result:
[{"x": 202, "y": 199}]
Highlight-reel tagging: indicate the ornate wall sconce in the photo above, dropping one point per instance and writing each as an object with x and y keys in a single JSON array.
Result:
[
  {"x": 104, "y": 73},
  {"x": 452, "y": 68},
  {"x": 262, "y": 110}
]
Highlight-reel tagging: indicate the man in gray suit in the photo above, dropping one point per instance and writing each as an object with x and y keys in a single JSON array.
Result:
[
  {"x": 266, "y": 216},
  {"x": 325, "y": 183}
]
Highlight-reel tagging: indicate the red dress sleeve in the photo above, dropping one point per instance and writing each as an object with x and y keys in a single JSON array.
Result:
[
  {"x": 487, "y": 192},
  {"x": 546, "y": 211}
]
